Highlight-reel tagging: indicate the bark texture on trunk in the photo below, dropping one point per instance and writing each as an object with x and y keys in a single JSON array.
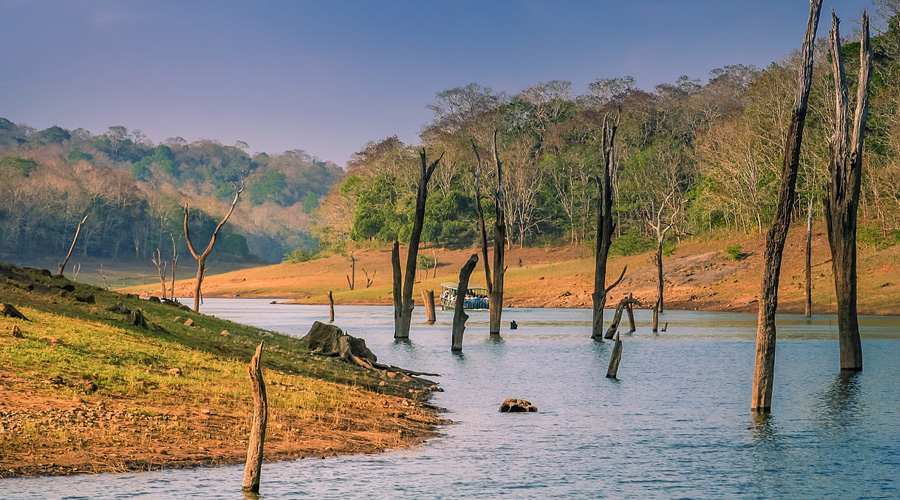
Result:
[
  {"x": 842, "y": 200},
  {"x": 481, "y": 225},
  {"x": 496, "y": 291},
  {"x": 403, "y": 317},
  {"x": 428, "y": 297},
  {"x": 459, "y": 309},
  {"x": 258, "y": 426},
  {"x": 614, "y": 359},
  {"x": 605, "y": 225},
  {"x": 617, "y": 318},
  {"x": 764, "y": 371},
  {"x": 330, "y": 307}
]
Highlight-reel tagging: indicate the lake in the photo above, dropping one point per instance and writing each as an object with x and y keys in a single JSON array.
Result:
[{"x": 676, "y": 424}]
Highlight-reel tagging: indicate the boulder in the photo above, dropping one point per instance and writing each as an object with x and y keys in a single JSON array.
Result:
[{"x": 517, "y": 406}]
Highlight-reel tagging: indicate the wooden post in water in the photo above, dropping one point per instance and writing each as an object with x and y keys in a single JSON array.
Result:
[
  {"x": 630, "y": 311},
  {"x": 655, "y": 318},
  {"x": 258, "y": 427},
  {"x": 428, "y": 298},
  {"x": 330, "y": 307},
  {"x": 459, "y": 312},
  {"x": 614, "y": 359}
]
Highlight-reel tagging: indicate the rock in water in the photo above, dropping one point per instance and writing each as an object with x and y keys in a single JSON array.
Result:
[
  {"x": 332, "y": 341},
  {"x": 517, "y": 406}
]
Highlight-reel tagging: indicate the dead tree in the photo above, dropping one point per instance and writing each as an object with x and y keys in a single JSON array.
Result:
[
  {"x": 161, "y": 268},
  {"x": 201, "y": 257},
  {"x": 75, "y": 270},
  {"x": 62, "y": 265},
  {"x": 103, "y": 275},
  {"x": 661, "y": 225},
  {"x": 605, "y": 225},
  {"x": 764, "y": 372},
  {"x": 330, "y": 307},
  {"x": 494, "y": 281},
  {"x": 369, "y": 280},
  {"x": 617, "y": 318},
  {"x": 258, "y": 426},
  {"x": 351, "y": 279},
  {"x": 809, "y": 214},
  {"x": 459, "y": 309},
  {"x": 403, "y": 303},
  {"x": 174, "y": 263},
  {"x": 842, "y": 200},
  {"x": 614, "y": 358}
]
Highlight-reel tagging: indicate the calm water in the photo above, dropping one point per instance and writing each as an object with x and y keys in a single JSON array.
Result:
[{"x": 676, "y": 424}]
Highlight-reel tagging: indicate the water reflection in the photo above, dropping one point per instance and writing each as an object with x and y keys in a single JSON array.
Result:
[
  {"x": 763, "y": 428},
  {"x": 840, "y": 406}
]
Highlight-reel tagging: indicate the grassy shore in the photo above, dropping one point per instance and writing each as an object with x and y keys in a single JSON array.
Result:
[
  {"x": 699, "y": 275},
  {"x": 84, "y": 390}
]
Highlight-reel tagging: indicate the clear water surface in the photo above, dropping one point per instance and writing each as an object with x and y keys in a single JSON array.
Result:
[{"x": 676, "y": 424}]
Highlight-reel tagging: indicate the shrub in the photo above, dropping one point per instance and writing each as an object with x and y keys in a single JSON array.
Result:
[{"x": 734, "y": 252}]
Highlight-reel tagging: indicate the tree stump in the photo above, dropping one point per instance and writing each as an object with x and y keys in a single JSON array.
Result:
[
  {"x": 618, "y": 316},
  {"x": 428, "y": 298},
  {"x": 459, "y": 312},
  {"x": 614, "y": 359},
  {"x": 258, "y": 427},
  {"x": 330, "y": 307}
]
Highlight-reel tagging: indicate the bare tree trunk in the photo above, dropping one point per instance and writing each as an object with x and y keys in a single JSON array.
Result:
[
  {"x": 174, "y": 263},
  {"x": 201, "y": 257},
  {"x": 258, "y": 426},
  {"x": 655, "y": 319},
  {"x": 630, "y": 310},
  {"x": 459, "y": 309},
  {"x": 605, "y": 226},
  {"x": 809, "y": 258},
  {"x": 351, "y": 280},
  {"x": 481, "y": 225},
  {"x": 659, "y": 274},
  {"x": 764, "y": 371},
  {"x": 62, "y": 265},
  {"x": 617, "y": 318},
  {"x": 614, "y": 359},
  {"x": 397, "y": 283},
  {"x": 428, "y": 298},
  {"x": 160, "y": 271},
  {"x": 842, "y": 201},
  {"x": 330, "y": 307},
  {"x": 495, "y": 304},
  {"x": 404, "y": 316}
]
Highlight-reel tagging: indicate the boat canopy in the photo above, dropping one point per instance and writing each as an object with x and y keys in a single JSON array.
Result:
[{"x": 473, "y": 289}]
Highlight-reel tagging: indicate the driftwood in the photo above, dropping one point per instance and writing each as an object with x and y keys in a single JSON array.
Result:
[
  {"x": 10, "y": 311},
  {"x": 614, "y": 359},
  {"x": 428, "y": 298},
  {"x": 459, "y": 310},
  {"x": 330, "y": 307},
  {"x": 764, "y": 371},
  {"x": 605, "y": 225},
  {"x": 624, "y": 303},
  {"x": 842, "y": 200},
  {"x": 62, "y": 265},
  {"x": 201, "y": 257},
  {"x": 403, "y": 316},
  {"x": 258, "y": 426}
]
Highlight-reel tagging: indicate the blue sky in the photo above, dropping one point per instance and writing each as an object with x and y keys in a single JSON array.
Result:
[{"x": 327, "y": 76}]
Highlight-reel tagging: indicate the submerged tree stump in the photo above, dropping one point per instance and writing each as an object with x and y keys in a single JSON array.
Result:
[
  {"x": 258, "y": 427},
  {"x": 459, "y": 311},
  {"x": 428, "y": 298},
  {"x": 330, "y": 307},
  {"x": 655, "y": 318},
  {"x": 630, "y": 311},
  {"x": 627, "y": 301},
  {"x": 614, "y": 359}
]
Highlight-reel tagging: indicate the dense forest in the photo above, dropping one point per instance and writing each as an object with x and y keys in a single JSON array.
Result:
[
  {"x": 132, "y": 191},
  {"x": 693, "y": 155}
]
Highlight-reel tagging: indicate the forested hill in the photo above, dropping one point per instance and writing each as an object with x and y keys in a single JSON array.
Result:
[
  {"x": 132, "y": 191},
  {"x": 697, "y": 155}
]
